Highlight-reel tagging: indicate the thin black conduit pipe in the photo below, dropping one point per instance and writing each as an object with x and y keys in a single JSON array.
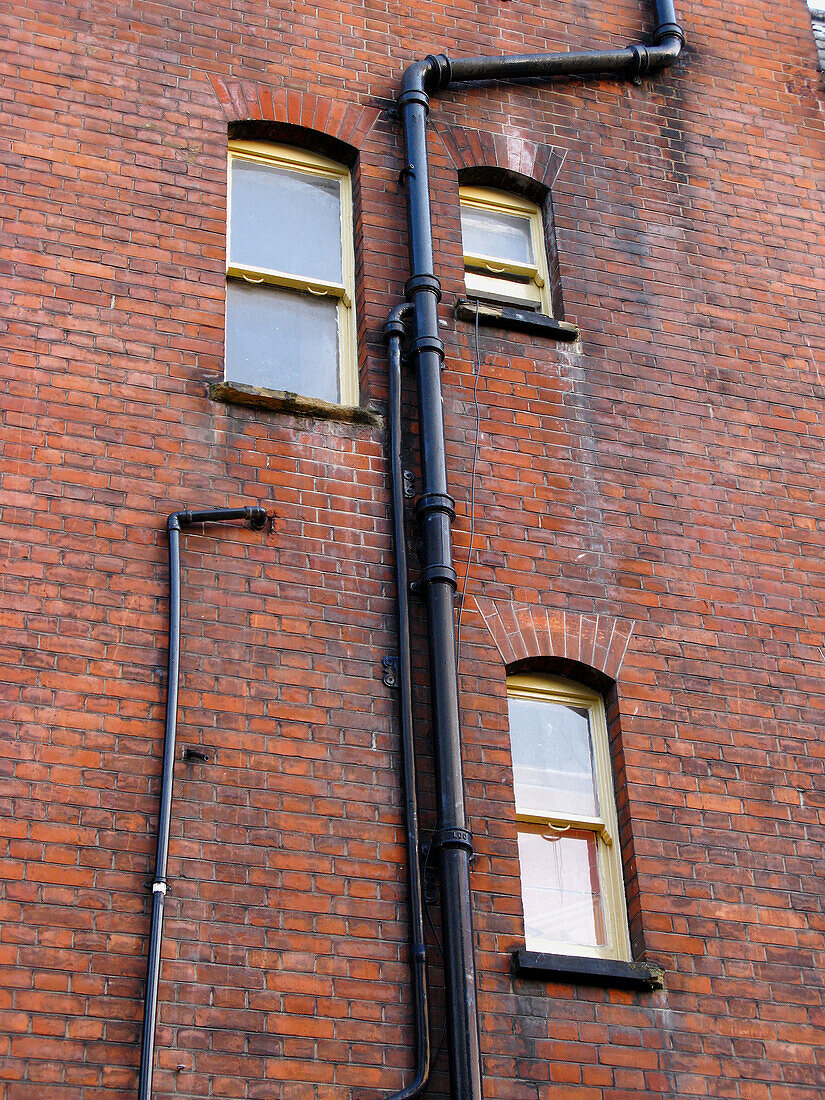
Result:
[
  {"x": 256, "y": 517},
  {"x": 394, "y": 330},
  {"x": 435, "y": 506}
]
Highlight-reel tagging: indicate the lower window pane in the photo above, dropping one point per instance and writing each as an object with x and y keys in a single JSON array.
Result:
[
  {"x": 282, "y": 340},
  {"x": 560, "y": 888}
]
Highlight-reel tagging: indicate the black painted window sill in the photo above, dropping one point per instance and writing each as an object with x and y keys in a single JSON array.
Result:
[
  {"x": 236, "y": 393},
  {"x": 576, "y": 970},
  {"x": 491, "y": 315}
]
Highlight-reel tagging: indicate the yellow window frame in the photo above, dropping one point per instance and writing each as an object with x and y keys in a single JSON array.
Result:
[
  {"x": 605, "y": 825},
  {"x": 313, "y": 164},
  {"x": 489, "y": 277}
]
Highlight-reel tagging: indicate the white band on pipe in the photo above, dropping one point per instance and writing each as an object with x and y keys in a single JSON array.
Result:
[{"x": 159, "y": 888}]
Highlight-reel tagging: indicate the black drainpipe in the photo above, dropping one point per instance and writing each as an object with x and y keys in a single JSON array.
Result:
[
  {"x": 418, "y": 956},
  {"x": 256, "y": 517},
  {"x": 435, "y": 508}
]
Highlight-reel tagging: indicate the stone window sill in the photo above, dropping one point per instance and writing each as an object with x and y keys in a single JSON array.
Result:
[
  {"x": 575, "y": 970},
  {"x": 491, "y": 315},
  {"x": 235, "y": 393}
]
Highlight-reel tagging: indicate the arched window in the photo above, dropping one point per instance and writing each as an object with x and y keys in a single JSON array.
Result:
[
  {"x": 290, "y": 268},
  {"x": 571, "y": 875},
  {"x": 505, "y": 253}
]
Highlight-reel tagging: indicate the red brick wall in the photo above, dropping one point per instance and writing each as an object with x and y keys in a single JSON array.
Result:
[{"x": 664, "y": 476}]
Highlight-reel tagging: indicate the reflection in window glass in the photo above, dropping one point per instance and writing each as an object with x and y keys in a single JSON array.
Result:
[
  {"x": 571, "y": 880},
  {"x": 560, "y": 888},
  {"x": 285, "y": 221},
  {"x": 505, "y": 256},
  {"x": 552, "y": 757},
  {"x": 496, "y": 234}
]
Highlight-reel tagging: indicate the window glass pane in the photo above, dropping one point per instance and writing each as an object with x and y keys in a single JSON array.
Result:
[
  {"x": 560, "y": 888},
  {"x": 287, "y": 221},
  {"x": 282, "y": 340},
  {"x": 552, "y": 758},
  {"x": 490, "y": 233}
]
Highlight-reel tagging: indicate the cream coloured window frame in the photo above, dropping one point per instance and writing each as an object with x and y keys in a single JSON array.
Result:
[
  {"x": 605, "y": 826},
  {"x": 491, "y": 278},
  {"x": 300, "y": 160}
]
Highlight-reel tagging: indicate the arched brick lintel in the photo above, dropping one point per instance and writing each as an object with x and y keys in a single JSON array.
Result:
[
  {"x": 251, "y": 101},
  {"x": 477, "y": 149},
  {"x": 522, "y": 633}
]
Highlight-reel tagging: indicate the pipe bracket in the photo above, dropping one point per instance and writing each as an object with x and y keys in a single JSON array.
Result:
[{"x": 390, "y": 667}]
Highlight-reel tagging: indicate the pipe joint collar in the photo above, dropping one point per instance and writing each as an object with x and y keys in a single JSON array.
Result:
[
  {"x": 419, "y": 283},
  {"x": 669, "y": 30},
  {"x": 640, "y": 62},
  {"x": 429, "y": 503},
  {"x": 428, "y": 343},
  {"x": 451, "y": 836},
  {"x": 414, "y": 95},
  {"x": 439, "y": 573},
  {"x": 439, "y": 71}
]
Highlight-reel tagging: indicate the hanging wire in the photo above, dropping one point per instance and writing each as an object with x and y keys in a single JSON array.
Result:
[{"x": 462, "y": 597}]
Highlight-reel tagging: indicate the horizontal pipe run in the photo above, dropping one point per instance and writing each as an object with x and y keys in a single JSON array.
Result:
[
  {"x": 633, "y": 60},
  {"x": 540, "y": 66},
  {"x": 255, "y": 517}
]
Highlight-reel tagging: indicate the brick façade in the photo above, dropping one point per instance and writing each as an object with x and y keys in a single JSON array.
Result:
[{"x": 649, "y": 504}]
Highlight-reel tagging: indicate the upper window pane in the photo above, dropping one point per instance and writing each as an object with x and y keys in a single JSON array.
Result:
[
  {"x": 552, "y": 758},
  {"x": 496, "y": 234},
  {"x": 284, "y": 220}
]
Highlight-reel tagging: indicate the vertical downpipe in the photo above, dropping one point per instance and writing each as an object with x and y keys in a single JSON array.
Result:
[
  {"x": 435, "y": 511},
  {"x": 418, "y": 952},
  {"x": 147, "y": 1050}
]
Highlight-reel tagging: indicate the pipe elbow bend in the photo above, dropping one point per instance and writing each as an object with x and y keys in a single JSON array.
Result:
[
  {"x": 428, "y": 75},
  {"x": 257, "y": 518},
  {"x": 394, "y": 325},
  {"x": 669, "y": 42},
  {"x": 665, "y": 53}
]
